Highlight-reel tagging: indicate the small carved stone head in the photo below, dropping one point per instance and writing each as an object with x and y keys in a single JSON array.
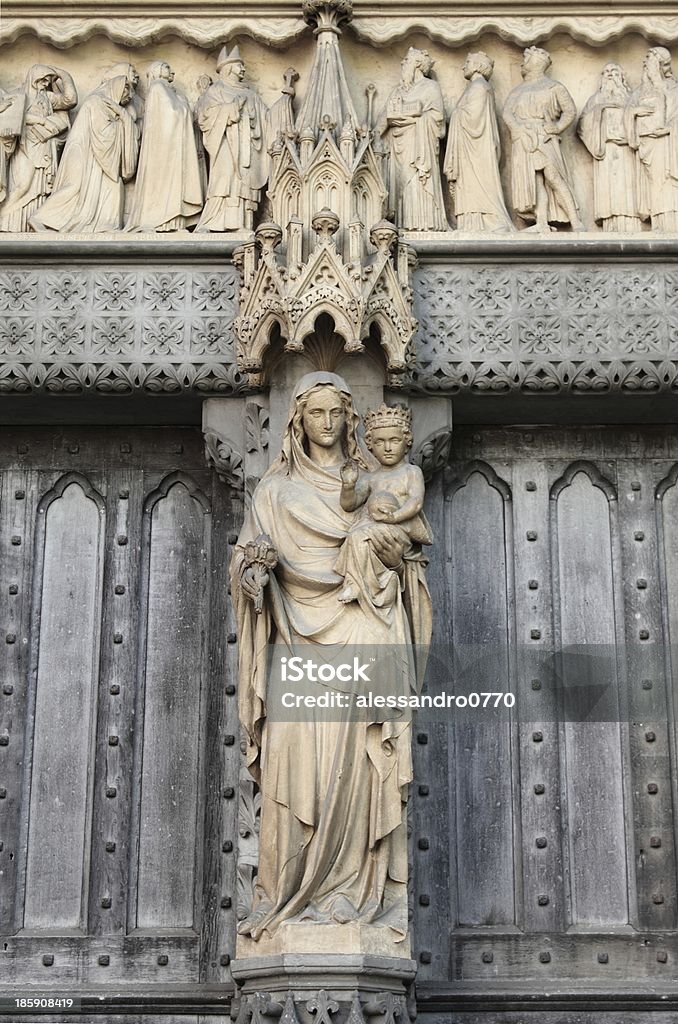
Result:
[
  {"x": 534, "y": 58},
  {"x": 416, "y": 60},
  {"x": 478, "y": 63}
]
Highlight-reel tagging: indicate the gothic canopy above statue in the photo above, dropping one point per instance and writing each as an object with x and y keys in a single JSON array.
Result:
[{"x": 328, "y": 204}]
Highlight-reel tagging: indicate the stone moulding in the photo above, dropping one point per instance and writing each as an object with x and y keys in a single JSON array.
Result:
[
  {"x": 279, "y": 24},
  {"x": 580, "y": 327},
  {"x": 525, "y": 315}
]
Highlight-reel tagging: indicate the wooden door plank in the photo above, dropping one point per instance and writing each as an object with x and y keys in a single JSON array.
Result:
[{"x": 67, "y": 604}]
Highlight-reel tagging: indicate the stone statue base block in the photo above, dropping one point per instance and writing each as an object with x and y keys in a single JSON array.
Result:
[
  {"x": 352, "y": 938},
  {"x": 337, "y": 988}
]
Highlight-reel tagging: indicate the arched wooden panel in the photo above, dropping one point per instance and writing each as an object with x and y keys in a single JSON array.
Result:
[
  {"x": 169, "y": 741},
  {"x": 592, "y": 756},
  {"x": 66, "y": 636},
  {"x": 478, "y": 539}
]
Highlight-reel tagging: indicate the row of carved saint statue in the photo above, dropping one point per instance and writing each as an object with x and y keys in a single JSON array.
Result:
[{"x": 207, "y": 167}]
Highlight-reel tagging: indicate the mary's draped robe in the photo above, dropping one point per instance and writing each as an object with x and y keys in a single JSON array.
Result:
[{"x": 333, "y": 841}]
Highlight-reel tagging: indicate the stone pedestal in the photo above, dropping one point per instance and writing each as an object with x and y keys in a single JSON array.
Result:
[{"x": 323, "y": 987}]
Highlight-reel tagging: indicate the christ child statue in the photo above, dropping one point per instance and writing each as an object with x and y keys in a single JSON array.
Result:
[{"x": 392, "y": 495}]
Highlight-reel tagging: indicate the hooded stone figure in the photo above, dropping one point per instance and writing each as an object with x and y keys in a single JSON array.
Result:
[
  {"x": 100, "y": 155},
  {"x": 49, "y": 94},
  {"x": 168, "y": 193},
  {"x": 234, "y": 124},
  {"x": 333, "y": 838}
]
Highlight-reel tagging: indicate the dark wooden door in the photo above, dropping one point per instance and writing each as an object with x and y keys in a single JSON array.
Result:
[
  {"x": 549, "y": 842},
  {"x": 118, "y": 749}
]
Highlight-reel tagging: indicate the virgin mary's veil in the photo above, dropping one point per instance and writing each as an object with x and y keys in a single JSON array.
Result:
[{"x": 292, "y": 454}]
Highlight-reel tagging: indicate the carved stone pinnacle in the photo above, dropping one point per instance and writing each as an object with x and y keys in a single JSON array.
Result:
[{"x": 327, "y": 15}]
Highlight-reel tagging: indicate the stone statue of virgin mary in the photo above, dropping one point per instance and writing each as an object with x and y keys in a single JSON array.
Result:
[{"x": 333, "y": 840}]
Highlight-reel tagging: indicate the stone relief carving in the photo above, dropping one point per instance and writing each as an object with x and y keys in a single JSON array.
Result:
[
  {"x": 569, "y": 328},
  {"x": 48, "y": 94},
  {"x": 652, "y": 125},
  {"x": 300, "y": 516},
  {"x": 328, "y": 192},
  {"x": 603, "y": 131},
  {"x": 224, "y": 459},
  {"x": 216, "y": 181},
  {"x": 234, "y": 123},
  {"x": 537, "y": 113},
  {"x": 99, "y": 156},
  {"x": 412, "y": 126},
  {"x": 118, "y": 330},
  {"x": 168, "y": 195},
  {"x": 473, "y": 150}
]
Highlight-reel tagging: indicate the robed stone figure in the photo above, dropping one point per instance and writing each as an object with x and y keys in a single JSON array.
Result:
[
  {"x": 537, "y": 112},
  {"x": 652, "y": 130},
  {"x": 99, "y": 156},
  {"x": 412, "y": 126},
  {"x": 49, "y": 93},
  {"x": 473, "y": 150},
  {"x": 333, "y": 837},
  {"x": 234, "y": 124},
  {"x": 168, "y": 193},
  {"x": 603, "y": 131}
]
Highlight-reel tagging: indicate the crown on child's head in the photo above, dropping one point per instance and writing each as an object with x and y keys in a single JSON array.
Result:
[{"x": 388, "y": 416}]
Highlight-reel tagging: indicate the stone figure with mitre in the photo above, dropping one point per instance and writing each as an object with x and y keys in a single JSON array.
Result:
[
  {"x": 234, "y": 125},
  {"x": 333, "y": 838}
]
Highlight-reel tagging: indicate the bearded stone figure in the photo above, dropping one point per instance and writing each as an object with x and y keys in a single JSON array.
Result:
[
  {"x": 99, "y": 156},
  {"x": 652, "y": 130},
  {"x": 234, "y": 125},
  {"x": 49, "y": 93},
  {"x": 412, "y": 125},
  {"x": 602, "y": 130},
  {"x": 473, "y": 150},
  {"x": 168, "y": 193},
  {"x": 537, "y": 113},
  {"x": 333, "y": 841}
]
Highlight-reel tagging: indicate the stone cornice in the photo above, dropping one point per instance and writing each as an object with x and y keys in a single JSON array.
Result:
[{"x": 207, "y": 23}]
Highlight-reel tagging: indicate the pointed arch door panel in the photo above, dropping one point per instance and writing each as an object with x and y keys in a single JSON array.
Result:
[
  {"x": 115, "y": 713},
  {"x": 564, "y": 543}
]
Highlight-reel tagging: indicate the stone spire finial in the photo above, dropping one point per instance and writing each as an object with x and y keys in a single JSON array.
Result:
[
  {"x": 328, "y": 95},
  {"x": 327, "y": 15}
]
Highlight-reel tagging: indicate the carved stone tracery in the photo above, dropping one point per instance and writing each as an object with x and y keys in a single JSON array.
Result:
[{"x": 328, "y": 198}]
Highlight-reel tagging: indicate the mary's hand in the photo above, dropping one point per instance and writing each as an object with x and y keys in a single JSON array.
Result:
[
  {"x": 252, "y": 582},
  {"x": 388, "y": 543}
]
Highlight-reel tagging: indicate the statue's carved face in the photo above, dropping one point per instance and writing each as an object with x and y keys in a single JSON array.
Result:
[
  {"x": 323, "y": 418},
  {"x": 388, "y": 444}
]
